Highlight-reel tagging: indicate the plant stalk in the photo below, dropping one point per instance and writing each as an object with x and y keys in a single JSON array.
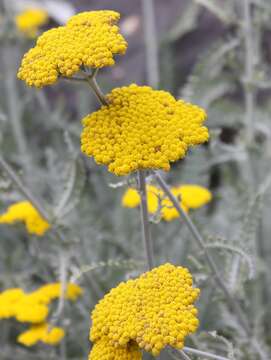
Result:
[
  {"x": 91, "y": 79},
  {"x": 146, "y": 234},
  {"x": 151, "y": 48}
]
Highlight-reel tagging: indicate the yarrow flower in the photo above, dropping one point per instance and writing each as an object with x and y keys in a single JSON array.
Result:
[
  {"x": 43, "y": 333},
  {"x": 33, "y": 308},
  {"x": 25, "y": 212},
  {"x": 142, "y": 128},
  {"x": 191, "y": 197},
  {"x": 29, "y": 21},
  {"x": 89, "y": 39},
  {"x": 150, "y": 313}
]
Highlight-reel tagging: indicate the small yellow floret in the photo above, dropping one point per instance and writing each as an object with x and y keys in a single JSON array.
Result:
[
  {"x": 25, "y": 212},
  {"x": 89, "y": 39},
  {"x": 103, "y": 350},
  {"x": 29, "y": 21},
  {"x": 190, "y": 196},
  {"x": 142, "y": 128},
  {"x": 154, "y": 310},
  {"x": 42, "y": 333}
]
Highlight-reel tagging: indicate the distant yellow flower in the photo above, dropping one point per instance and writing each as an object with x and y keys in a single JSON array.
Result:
[
  {"x": 24, "y": 212},
  {"x": 191, "y": 197},
  {"x": 29, "y": 21},
  {"x": 153, "y": 311},
  {"x": 33, "y": 307},
  {"x": 142, "y": 128},
  {"x": 103, "y": 350},
  {"x": 43, "y": 333},
  {"x": 47, "y": 293},
  {"x": 89, "y": 39},
  {"x": 131, "y": 198}
]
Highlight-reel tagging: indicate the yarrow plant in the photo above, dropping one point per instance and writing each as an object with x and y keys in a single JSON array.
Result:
[
  {"x": 137, "y": 129},
  {"x": 29, "y": 21},
  {"x": 89, "y": 39},
  {"x": 190, "y": 196},
  {"x": 152, "y": 311},
  {"x": 142, "y": 128},
  {"x": 25, "y": 212},
  {"x": 33, "y": 308}
]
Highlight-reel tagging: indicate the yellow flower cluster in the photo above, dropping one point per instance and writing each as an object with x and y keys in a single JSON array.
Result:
[
  {"x": 25, "y": 212},
  {"x": 153, "y": 311},
  {"x": 191, "y": 197},
  {"x": 89, "y": 38},
  {"x": 142, "y": 128},
  {"x": 33, "y": 308},
  {"x": 41, "y": 332},
  {"x": 29, "y": 21}
]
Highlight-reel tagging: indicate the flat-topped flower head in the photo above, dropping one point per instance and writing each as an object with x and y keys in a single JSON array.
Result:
[
  {"x": 25, "y": 212},
  {"x": 41, "y": 333},
  {"x": 29, "y": 21},
  {"x": 142, "y": 128},
  {"x": 89, "y": 39},
  {"x": 190, "y": 196},
  {"x": 154, "y": 311},
  {"x": 103, "y": 350}
]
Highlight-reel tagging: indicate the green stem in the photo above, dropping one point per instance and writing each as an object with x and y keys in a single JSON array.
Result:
[
  {"x": 146, "y": 234},
  {"x": 203, "y": 353},
  {"x": 151, "y": 47},
  {"x": 91, "y": 80}
]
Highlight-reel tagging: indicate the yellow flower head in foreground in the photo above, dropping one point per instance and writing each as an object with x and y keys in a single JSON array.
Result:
[
  {"x": 30, "y": 20},
  {"x": 142, "y": 128},
  {"x": 191, "y": 197},
  {"x": 41, "y": 332},
  {"x": 25, "y": 212},
  {"x": 154, "y": 311},
  {"x": 89, "y": 38}
]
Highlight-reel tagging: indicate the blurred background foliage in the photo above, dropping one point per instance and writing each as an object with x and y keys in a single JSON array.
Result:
[{"x": 212, "y": 53}]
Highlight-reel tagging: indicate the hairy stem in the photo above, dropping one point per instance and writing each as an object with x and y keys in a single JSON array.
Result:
[
  {"x": 32, "y": 198},
  {"x": 23, "y": 189},
  {"x": 249, "y": 71},
  {"x": 151, "y": 47},
  {"x": 63, "y": 265},
  {"x": 91, "y": 80},
  {"x": 205, "y": 354},
  {"x": 146, "y": 234}
]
